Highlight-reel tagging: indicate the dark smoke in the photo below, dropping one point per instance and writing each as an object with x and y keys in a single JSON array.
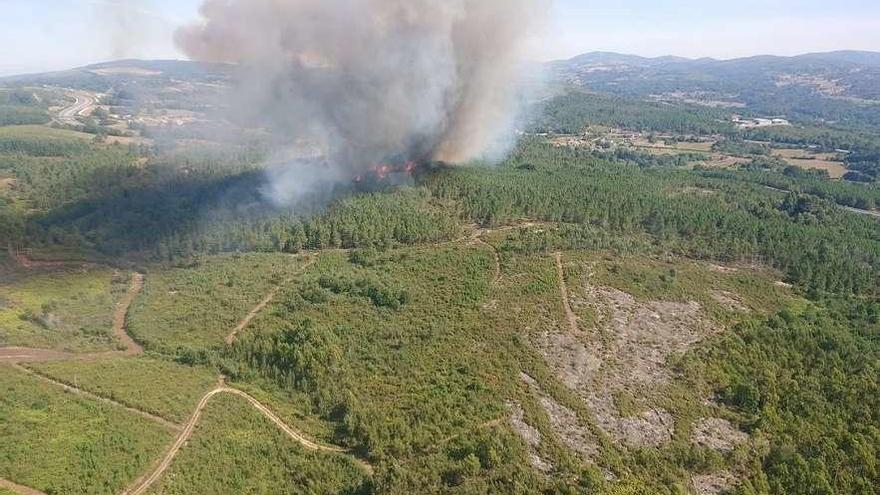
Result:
[{"x": 368, "y": 82}]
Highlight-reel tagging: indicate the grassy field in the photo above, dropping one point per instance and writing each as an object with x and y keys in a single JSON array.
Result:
[
  {"x": 64, "y": 310},
  {"x": 60, "y": 443},
  {"x": 42, "y": 132},
  {"x": 195, "y": 308},
  {"x": 808, "y": 160},
  {"x": 236, "y": 450},
  {"x": 159, "y": 387}
]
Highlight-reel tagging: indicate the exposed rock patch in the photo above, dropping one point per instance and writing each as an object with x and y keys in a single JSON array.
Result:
[
  {"x": 717, "y": 434},
  {"x": 566, "y": 426},
  {"x": 729, "y": 300},
  {"x": 626, "y": 351},
  {"x": 713, "y": 484},
  {"x": 564, "y": 423},
  {"x": 530, "y": 435}
]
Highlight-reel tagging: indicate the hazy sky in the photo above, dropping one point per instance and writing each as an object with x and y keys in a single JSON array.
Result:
[{"x": 38, "y": 35}]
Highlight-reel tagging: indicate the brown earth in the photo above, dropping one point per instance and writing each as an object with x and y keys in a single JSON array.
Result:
[{"x": 132, "y": 348}]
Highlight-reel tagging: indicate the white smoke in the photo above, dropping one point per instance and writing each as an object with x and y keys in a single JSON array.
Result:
[{"x": 371, "y": 81}]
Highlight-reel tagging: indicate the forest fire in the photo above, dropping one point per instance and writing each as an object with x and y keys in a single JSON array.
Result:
[
  {"x": 424, "y": 79},
  {"x": 384, "y": 171}
]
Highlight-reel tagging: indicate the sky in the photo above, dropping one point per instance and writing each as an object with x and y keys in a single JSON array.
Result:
[{"x": 41, "y": 35}]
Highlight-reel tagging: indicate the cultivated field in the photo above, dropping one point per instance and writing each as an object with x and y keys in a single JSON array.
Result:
[{"x": 828, "y": 162}]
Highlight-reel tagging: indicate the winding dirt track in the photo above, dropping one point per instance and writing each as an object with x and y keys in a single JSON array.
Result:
[
  {"x": 262, "y": 304},
  {"x": 132, "y": 348},
  {"x": 142, "y": 484},
  {"x": 20, "y": 489},
  {"x": 497, "y": 257},
  {"x": 563, "y": 291},
  {"x": 17, "y": 355}
]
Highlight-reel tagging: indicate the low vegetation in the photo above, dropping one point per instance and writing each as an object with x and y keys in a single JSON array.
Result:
[
  {"x": 64, "y": 310},
  {"x": 61, "y": 443},
  {"x": 719, "y": 326},
  {"x": 163, "y": 388},
  {"x": 237, "y": 450},
  {"x": 193, "y": 308}
]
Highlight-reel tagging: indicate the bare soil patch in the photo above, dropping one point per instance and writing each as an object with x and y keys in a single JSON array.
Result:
[
  {"x": 805, "y": 159},
  {"x": 626, "y": 351},
  {"x": 569, "y": 430},
  {"x": 717, "y": 434},
  {"x": 723, "y": 269},
  {"x": 713, "y": 484},
  {"x": 530, "y": 435},
  {"x": 565, "y": 423},
  {"x": 729, "y": 300},
  {"x": 132, "y": 348}
]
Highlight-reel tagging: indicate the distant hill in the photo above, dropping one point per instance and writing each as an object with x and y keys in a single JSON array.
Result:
[
  {"x": 107, "y": 75},
  {"x": 836, "y": 87}
]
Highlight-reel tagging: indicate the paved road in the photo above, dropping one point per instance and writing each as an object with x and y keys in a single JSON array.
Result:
[
  {"x": 871, "y": 213},
  {"x": 84, "y": 102}
]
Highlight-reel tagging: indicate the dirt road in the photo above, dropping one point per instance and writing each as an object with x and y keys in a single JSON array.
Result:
[
  {"x": 142, "y": 484},
  {"x": 563, "y": 291},
  {"x": 132, "y": 348},
  {"x": 20, "y": 489},
  {"x": 26, "y": 355},
  {"x": 14, "y": 355},
  {"x": 262, "y": 304}
]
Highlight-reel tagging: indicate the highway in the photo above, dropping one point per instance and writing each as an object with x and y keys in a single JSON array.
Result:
[{"x": 84, "y": 102}]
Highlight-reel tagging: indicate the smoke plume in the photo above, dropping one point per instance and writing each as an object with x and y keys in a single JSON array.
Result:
[{"x": 371, "y": 82}]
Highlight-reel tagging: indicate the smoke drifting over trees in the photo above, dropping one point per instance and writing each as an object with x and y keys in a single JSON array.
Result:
[{"x": 371, "y": 81}]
